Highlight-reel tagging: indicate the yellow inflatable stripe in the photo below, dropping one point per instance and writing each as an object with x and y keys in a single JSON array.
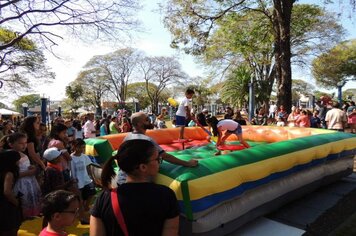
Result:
[
  {"x": 90, "y": 150},
  {"x": 231, "y": 178},
  {"x": 172, "y": 183}
]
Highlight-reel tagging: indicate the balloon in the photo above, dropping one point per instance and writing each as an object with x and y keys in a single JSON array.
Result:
[{"x": 172, "y": 102}]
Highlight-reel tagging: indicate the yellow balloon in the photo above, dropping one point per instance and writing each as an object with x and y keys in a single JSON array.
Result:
[{"x": 172, "y": 102}]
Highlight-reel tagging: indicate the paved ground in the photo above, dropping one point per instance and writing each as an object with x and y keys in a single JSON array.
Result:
[{"x": 316, "y": 211}]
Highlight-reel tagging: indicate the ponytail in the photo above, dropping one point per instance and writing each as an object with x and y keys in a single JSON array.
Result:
[{"x": 108, "y": 173}]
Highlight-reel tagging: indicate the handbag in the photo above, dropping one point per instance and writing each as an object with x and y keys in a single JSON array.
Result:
[{"x": 117, "y": 211}]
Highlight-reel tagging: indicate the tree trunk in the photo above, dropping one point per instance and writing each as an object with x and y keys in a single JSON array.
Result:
[{"x": 281, "y": 23}]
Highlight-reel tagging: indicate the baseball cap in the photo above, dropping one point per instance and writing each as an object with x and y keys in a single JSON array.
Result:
[
  {"x": 51, "y": 154},
  {"x": 205, "y": 110}
]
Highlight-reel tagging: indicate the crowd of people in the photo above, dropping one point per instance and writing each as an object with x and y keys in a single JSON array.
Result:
[{"x": 45, "y": 173}]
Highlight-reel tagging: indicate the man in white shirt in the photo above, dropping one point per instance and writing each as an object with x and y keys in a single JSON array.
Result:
[
  {"x": 89, "y": 128},
  {"x": 336, "y": 118}
]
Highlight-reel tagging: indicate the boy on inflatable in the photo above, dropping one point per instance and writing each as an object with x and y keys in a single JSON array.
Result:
[
  {"x": 231, "y": 127},
  {"x": 183, "y": 112}
]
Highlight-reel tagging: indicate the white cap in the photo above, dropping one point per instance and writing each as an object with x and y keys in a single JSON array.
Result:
[
  {"x": 205, "y": 110},
  {"x": 51, "y": 153}
]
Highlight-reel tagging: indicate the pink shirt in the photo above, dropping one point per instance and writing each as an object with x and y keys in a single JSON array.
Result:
[
  {"x": 88, "y": 129},
  {"x": 44, "y": 232},
  {"x": 303, "y": 121}
]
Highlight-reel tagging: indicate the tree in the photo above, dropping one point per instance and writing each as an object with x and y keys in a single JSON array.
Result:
[
  {"x": 116, "y": 69},
  {"x": 21, "y": 63},
  {"x": 235, "y": 88},
  {"x": 245, "y": 34},
  {"x": 138, "y": 91},
  {"x": 92, "y": 85},
  {"x": 202, "y": 90},
  {"x": 162, "y": 72},
  {"x": 31, "y": 99},
  {"x": 46, "y": 21},
  {"x": 74, "y": 92},
  {"x": 336, "y": 66},
  {"x": 300, "y": 87}
]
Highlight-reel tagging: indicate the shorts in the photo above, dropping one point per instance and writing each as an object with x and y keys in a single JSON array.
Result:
[
  {"x": 237, "y": 131},
  {"x": 180, "y": 121},
  {"x": 88, "y": 191}
]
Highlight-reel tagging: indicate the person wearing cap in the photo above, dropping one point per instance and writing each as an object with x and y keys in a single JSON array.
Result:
[{"x": 54, "y": 178}]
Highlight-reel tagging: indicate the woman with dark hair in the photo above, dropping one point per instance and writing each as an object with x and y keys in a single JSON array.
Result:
[
  {"x": 7, "y": 128},
  {"x": 10, "y": 214},
  {"x": 229, "y": 113},
  {"x": 145, "y": 207},
  {"x": 59, "y": 139},
  {"x": 30, "y": 127},
  {"x": 239, "y": 119}
]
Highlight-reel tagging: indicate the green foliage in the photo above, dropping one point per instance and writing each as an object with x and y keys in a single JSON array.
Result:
[
  {"x": 138, "y": 91},
  {"x": 24, "y": 44},
  {"x": 2, "y": 105},
  {"x": 300, "y": 87},
  {"x": 235, "y": 88},
  {"x": 31, "y": 99},
  {"x": 202, "y": 90},
  {"x": 74, "y": 92},
  {"x": 336, "y": 66}
]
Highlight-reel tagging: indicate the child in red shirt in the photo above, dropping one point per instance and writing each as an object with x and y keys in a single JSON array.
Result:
[{"x": 60, "y": 209}]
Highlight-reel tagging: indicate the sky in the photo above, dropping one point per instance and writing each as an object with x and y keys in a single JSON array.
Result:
[{"x": 154, "y": 41}]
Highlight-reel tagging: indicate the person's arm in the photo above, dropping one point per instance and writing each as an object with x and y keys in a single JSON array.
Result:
[
  {"x": 170, "y": 227},
  {"x": 172, "y": 159},
  {"x": 29, "y": 172},
  {"x": 97, "y": 227},
  {"x": 242, "y": 141},
  {"x": 8, "y": 183},
  {"x": 34, "y": 156}
]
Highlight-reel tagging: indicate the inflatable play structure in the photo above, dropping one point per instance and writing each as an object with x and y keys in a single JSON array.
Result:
[{"x": 224, "y": 192}]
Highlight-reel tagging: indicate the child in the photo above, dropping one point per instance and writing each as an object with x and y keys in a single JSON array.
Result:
[
  {"x": 27, "y": 184},
  {"x": 183, "y": 112},
  {"x": 231, "y": 127},
  {"x": 125, "y": 125},
  {"x": 315, "y": 121},
  {"x": 54, "y": 178},
  {"x": 79, "y": 165},
  {"x": 160, "y": 123},
  {"x": 60, "y": 209},
  {"x": 280, "y": 122},
  {"x": 10, "y": 213}
]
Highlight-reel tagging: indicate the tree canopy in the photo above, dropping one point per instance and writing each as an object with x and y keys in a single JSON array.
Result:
[
  {"x": 338, "y": 65},
  {"x": 265, "y": 35},
  {"x": 31, "y": 99}
]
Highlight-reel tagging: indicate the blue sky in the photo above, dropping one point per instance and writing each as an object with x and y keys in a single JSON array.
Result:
[{"x": 155, "y": 42}]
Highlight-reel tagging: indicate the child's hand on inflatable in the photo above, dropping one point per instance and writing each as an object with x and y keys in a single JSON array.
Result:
[{"x": 193, "y": 163}]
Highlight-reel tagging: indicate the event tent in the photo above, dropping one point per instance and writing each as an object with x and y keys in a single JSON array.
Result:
[{"x": 7, "y": 112}]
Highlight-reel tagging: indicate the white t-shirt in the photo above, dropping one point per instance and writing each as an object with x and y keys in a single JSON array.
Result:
[
  {"x": 181, "y": 108},
  {"x": 227, "y": 124},
  {"x": 88, "y": 129},
  {"x": 272, "y": 108},
  {"x": 79, "y": 169}
]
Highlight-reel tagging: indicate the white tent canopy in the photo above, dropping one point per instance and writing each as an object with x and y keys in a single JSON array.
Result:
[{"x": 7, "y": 112}]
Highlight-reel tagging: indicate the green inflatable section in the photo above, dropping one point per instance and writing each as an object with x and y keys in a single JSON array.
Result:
[{"x": 210, "y": 164}]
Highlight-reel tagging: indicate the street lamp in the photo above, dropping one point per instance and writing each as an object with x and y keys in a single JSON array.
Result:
[
  {"x": 25, "y": 109},
  {"x": 339, "y": 91}
]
